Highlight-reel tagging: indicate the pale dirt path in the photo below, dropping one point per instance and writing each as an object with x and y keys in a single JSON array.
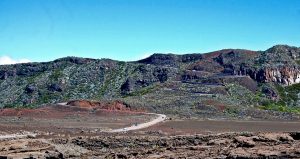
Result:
[
  {"x": 158, "y": 119},
  {"x": 17, "y": 136}
]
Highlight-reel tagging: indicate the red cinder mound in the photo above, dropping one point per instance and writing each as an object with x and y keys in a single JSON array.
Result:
[
  {"x": 82, "y": 107},
  {"x": 112, "y": 105},
  {"x": 82, "y": 103}
]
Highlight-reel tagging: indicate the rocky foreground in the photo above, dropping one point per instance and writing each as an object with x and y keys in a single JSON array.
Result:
[{"x": 155, "y": 145}]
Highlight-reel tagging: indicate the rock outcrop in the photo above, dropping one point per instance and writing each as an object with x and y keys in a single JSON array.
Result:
[
  {"x": 278, "y": 64},
  {"x": 286, "y": 75}
]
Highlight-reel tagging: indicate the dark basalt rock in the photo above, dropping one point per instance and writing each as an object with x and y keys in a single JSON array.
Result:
[
  {"x": 170, "y": 59},
  {"x": 3, "y": 75},
  {"x": 30, "y": 88},
  {"x": 270, "y": 93},
  {"x": 128, "y": 86},
  {"x": 75, "y": 60},
  {"x": 53, "y": 155},
  {"x": 132, "y": 85},
  {"x": 191, "y": 57},
  {"x": 161, "y": 74},
  {"x": 161, "y": 59},
  {"x": 293, "y": 52},
  {"x": 55, "y": 88}
]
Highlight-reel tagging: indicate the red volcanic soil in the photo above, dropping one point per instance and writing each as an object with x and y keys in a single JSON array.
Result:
[
  {"x": 79, "y": 107},
  {"x": 51, "y": 111},
  {"x": 112, "y": 105},
  {"x": 20, "y": 112}
]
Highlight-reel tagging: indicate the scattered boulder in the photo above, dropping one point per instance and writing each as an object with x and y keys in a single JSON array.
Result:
[
  {"x": 53, "y": 155},
  {"x": 244, "y": 141},
  {"x": 218, "y": 142},
  {"x": 239, "y": 153},
  {"x": 276, "y": 137}
]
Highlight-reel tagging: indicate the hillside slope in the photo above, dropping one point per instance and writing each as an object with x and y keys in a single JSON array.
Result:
[{"x": 225, "y": 83}]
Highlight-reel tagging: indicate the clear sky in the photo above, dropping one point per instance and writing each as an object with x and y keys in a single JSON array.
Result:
[{"x": 43, "y": 30}]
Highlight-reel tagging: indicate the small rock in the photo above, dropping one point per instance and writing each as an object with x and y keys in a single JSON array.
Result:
[
  {"x": 218, "y": 142},
  {"x": 53, "y": 154},
  {"x": 275, "y": 137},
  {"x": 244, "y": 141},
  {"x": 239, "y": 153}
]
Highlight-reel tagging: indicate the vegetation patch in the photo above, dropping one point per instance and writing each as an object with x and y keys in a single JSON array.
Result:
[
  {"x": 56, "y": 74},
  {"x": 288, "y": 99},
  {"x": 278, "y": 106},
  {"x": 288, "y": 94},
  {"x": 142, "y": 91},
  {"x": 242, "y": 94},
  {"x": 231, "y": 111}
]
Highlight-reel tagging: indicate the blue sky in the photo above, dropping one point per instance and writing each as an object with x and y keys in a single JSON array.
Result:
[{"x": 43, "y": 30}]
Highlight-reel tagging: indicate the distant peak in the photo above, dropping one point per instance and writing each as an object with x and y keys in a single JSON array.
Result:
[
  {"x": 73, "y": 59},
  {"x": 282, "y": 48},
  {"x": 170, "y": 59}
]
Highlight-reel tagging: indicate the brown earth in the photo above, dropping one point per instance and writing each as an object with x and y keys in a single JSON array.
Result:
[
  {"x": 75, "y": 131},
  {"x": 70, "y": 119},
  {"x": 183, "y": 127},
  {"x": 72, "y": 107},
  {"x": 171, "y": 139},
  {"x": 107, "y": 105},
  {"x": 156, "y": 145}
]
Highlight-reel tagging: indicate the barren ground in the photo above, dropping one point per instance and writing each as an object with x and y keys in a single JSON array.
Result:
[
  {"x": 70, "y": 132},
  {"x": 215, "y": 126}
]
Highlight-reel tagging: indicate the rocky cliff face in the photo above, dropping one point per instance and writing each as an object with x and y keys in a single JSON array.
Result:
[
  {"x": 286, "y": 75},
  {"x": 278, "y": 64}
]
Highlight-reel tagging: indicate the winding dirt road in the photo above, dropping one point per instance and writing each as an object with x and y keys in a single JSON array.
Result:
[
  {"x": 17, "y": 136},
  {"x": 158, "y": 119}
]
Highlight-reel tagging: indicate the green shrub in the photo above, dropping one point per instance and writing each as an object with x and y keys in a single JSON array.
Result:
[
  {"x": 56, "y": 74},
  {"x": 279, "y": 106},
  {"x": 142, "y": 91},
  {"x": 232, "y": 111},
  {"x": 288, "y": 94}
]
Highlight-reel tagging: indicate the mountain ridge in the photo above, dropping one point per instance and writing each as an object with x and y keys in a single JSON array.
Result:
[{"x": 225, "y": 78}]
